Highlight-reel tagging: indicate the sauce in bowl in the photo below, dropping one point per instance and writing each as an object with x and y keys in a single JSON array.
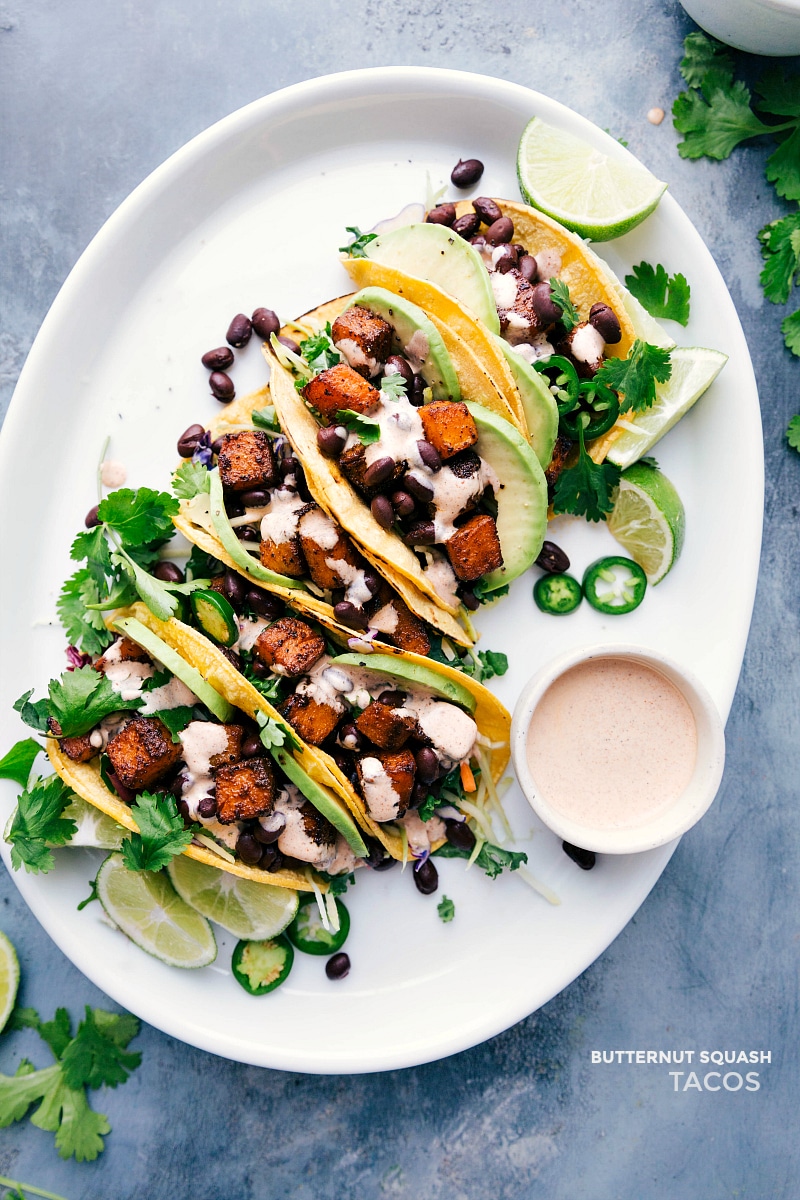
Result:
[{"x": 612, "y": 743}]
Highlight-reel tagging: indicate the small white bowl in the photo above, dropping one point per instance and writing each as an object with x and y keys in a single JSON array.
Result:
[
  {"x": 759, "y": 26},
  {"x": 652, "y": 831}
]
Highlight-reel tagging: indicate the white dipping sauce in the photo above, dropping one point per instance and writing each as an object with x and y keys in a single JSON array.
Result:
[{"x": 612, "y": 743}]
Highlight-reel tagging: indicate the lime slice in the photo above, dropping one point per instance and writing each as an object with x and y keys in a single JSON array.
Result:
[
  {"x": 648, "y": 519},
  {"x": 694, "y": 369},
  {"x": 9, "y": 979},
  {"x": 249, "y": 910},
  {"x": 94, "y": 827},
  {"x": 147, "y": 908},
  {"x": 593, "y": 195}
]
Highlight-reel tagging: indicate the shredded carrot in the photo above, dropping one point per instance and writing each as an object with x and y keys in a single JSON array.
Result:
[{"x": 467, "y": 778}]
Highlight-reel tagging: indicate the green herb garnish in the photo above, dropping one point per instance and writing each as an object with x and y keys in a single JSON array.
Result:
[
  {"x": 355, "y": 249},
  {"x": 161, "y": 834},
  {"x": 446, "y": 909},
  {"x": 366, "y": 431},
  {"x": 39, "y": 823},
  {"x": 663, "y": 296},
  {"x": 570, "y": 316},
  {"x": 586, "y": 489},
  {"x": 636, "y": 376}
]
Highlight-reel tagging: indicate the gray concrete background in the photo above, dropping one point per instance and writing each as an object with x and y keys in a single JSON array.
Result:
[{"x": 94, "y": 96}]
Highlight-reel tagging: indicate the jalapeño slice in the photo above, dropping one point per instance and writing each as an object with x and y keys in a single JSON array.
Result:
[
  {"x": 557, "y": 594},
  {"x": 260, "y": 967},
  {"x": 215, "y": 616},
  {"x": 562, "y": 379},
  {"x": 599, "y": 409},
  {"x": 614, "y": 585},
  {"x": 308, "y": 933}
]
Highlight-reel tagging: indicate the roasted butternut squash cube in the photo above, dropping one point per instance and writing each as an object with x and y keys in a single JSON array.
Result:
[
  {"x": 78, "y": 749},
  {"x": 289, "y": 646},
  {"x": 386, "y": 788},
  {"x": 340, "y": 387},
  {"x": 474, "y": 549},
  {"x": 233, "y": 751},
  {"x": 122, "y": 650},
  {"x": 286, "y": 558},
  {"x": 245, "y": 461},
  {"x": 245, "y": 789},
  {"x": 449, "y": 426},
  {"x": 323, "y": 543},
  {"x": 410, "y": 632},
  {"x": 142, "y": 752},
  {"x": 312, "y": 721},
  {"x": 363, "y": 338},
  {"x": 385, "y": 726}
]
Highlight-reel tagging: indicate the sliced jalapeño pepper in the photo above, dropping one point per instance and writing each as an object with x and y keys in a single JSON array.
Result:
[
  {"x": 308, "y": 933},
  {"x": 557, "y": 594},
  {"x": 563, "y": 381},
  {"x": 260, "y": 967},
  {"x": 614, "y": 585},
  {"x": 598, "y": 410},
  {"x": 215, "y": 616}
]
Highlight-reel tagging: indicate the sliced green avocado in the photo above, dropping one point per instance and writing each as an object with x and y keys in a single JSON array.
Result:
[
  {"x": 538, "y": 403},
  {"x": 244, "y": 561},
  {"x": 407, "y": 321},
  {"x": 522, "y": 499},
  {"x": 179, "y": 667},
  {"x": 324, "y": 800},
  {"x": 398, "y": 668},
  {"x": 435, "y": 253}
]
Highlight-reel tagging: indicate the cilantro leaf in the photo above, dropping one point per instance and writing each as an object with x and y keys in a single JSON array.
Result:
[
  {"x": 81, "y": 698},
  {"x": 780, "y": 95},
  {"x": 662, "y": 295},
  {"x": 715, "y": 124},
  {"x": 570, "y": 316},
  {"x": 488, "y": 595},
  {"x": 95, "y": 1057},
  {"x": 35, "y": 714},
  {"x": 636, "y": 376},
  {"x": 704, "y": 58},
  {"x": 366, "y": 430},
  {"x": 161, "y": 833},
  {"x": 586, "y": 488},
  {"x": 266, "y": 418},
  {"x": 202, "y": 565},
  {"x": 18, "y": 1092},
  {"x": 56, "y": 1033},
  {"x": 176, "y": 719},
  {"x": 783, "y": 167},
  {"x": 272, "y": 734},
  {"x": 394, "y": 386},
  {"x": 780, "y": 248},
  {"x": 446, "y": 909},
  {"x": 338, "y": 884},
  {"x": 18, "y": 762},
  {"x": 83, "y": 624},
  {"x": 191, "y": 479},
  {"x": 356, "y": 247},
  {"x": 492, "y": 662},
  {"x": 65, "y": 1111},
  {"x": 491, "y": 859},
  {"x": 790, "y": 328},
  {"x": 793, "y": 432},
  {"x": 156, "y": 594},
  {"x": 38, "y": 823},
  {"x": 319, "y": 351},
  {"x": 138, "y": 517},
  {"x": 91, "y": 544}
]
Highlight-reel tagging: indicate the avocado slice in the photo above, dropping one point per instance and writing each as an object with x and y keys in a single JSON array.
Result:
[
  {"x": 179, "y": 667},
  {"x": 407, "y": 321},
  {"x": 324, "y": 801},
  {"x": 522, "y": 501},
  {"x": 538, "y": 403},
  {"x": 226, "y": 534},
  {"x": 435, "y": 253},
  {"x": 398, "y": 668}
]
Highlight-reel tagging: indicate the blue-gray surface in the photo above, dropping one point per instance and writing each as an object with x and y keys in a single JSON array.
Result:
[{"x": 94, "y": 96}]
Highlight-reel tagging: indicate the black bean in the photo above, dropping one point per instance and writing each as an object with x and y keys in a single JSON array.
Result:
[
  {"x": 487, "y": 210},
  {"x": 478, "y": 242},
  {"x": 377, "y": 858},
  {"x": 429, "y": 455},
  {"x": 350, "y": 738},
  {"x": 426, "y": 877},
  {"x": 469, "y": 600},
  {"x": 417, "y": 396},
  {"x": 91, "y": 519},
  {"x": 552, "y": 558},
  {"x": 268, "y": 837},
  {"x": 248, "y": 849},
  {"x": 528, "y": 267},
  {"x": 289, "y": 466},
  {"x": 372, "y": 582},
  {"x": 584, "y": 858},
  {"x": 176, "y": 787},
  {"x": 403, "y": 504},
  {"x": 467, "y": 226},
  {"x": 233, "y": 506},
  {"x": 338, "y": 966},
  {"x": 466, "y": 172},
  {"x": 543, "y": 304},
  {"x": 505, "y": 260},
  {"x": 382, "y": 511},
  {"x": 168, "y": 572},
  {"x": 219, "y": 359},
  {"x": 264, "y": 605},
  {"x": 207, "y": 807},
  {"x": 289, "y": 343},
  {"x": 218, "y": 444},
  {"x": 401, "y": 366},
  {"x": 378, "y": 472},
  {"x": 330, "y": 442},
  {"x": 221, "y": 386},
  {"x": 419, "y": 794},
  {"x": 251, "y": 746},
  {"x": 246, "y": 534},
  {"x": 260, "y": 669},
  {"x": 392, "y": 699},
  {"x": 418, "y": 488},
  {"x": 519, "y": 249},
  {"x": 501, "y": 230},
  {"x": 181, "y": 805},
  {"x": 239, "y": 330},
  {"x": 442, "y": 214},
  {"x": 427, "y": 765},
  {"x": 349, "y": 615},
  {"x": 459, "y": 834},
  {"x": 235, "y": 588},
  {"x": 271, "y": 858},
  {"x": 232, "y": 657},
  {"x": 383, "y": 864},
  {"x": 421, "y": 533},
  {"x": 190, "y": 440},
  {"x": 265, "y": 322},
  {"x": 606, "y": 322},
  {"x": 255, "y": 498}
]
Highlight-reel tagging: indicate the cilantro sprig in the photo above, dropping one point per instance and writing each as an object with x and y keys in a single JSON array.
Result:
[
  {"x": 81, "y": 698},
  {"x": 664, "y": 296},
  {"x": 356, "y": 247},
  {"x": 491, "y": 859},
  {"x": 319, "y": 350},
  {"x": 570, "y": 316},
  {"x": 793, "y": 433},
  {"x": 39, "y": 823},
  {"x": 637, "y": 375},
  {"x": 96, "y": 1056},
  {"x": 586, "y": 489},
  {"x": 161, "y": 834},
  {"x": 366, "y": 430},
  {"x": 18, "y": 762}
]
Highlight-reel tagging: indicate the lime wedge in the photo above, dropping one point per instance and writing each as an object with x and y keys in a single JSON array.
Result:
[
  {"x": 94, "y": 827},
  {"x": 9, "y": 979},
  {"x": 595, "y": 196},
  {"x": 249, "y": 910},
  {"x": 694, "y": 369},
  {"x": 648, "y": 519},
  {"x": 147, "y": 908}
]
